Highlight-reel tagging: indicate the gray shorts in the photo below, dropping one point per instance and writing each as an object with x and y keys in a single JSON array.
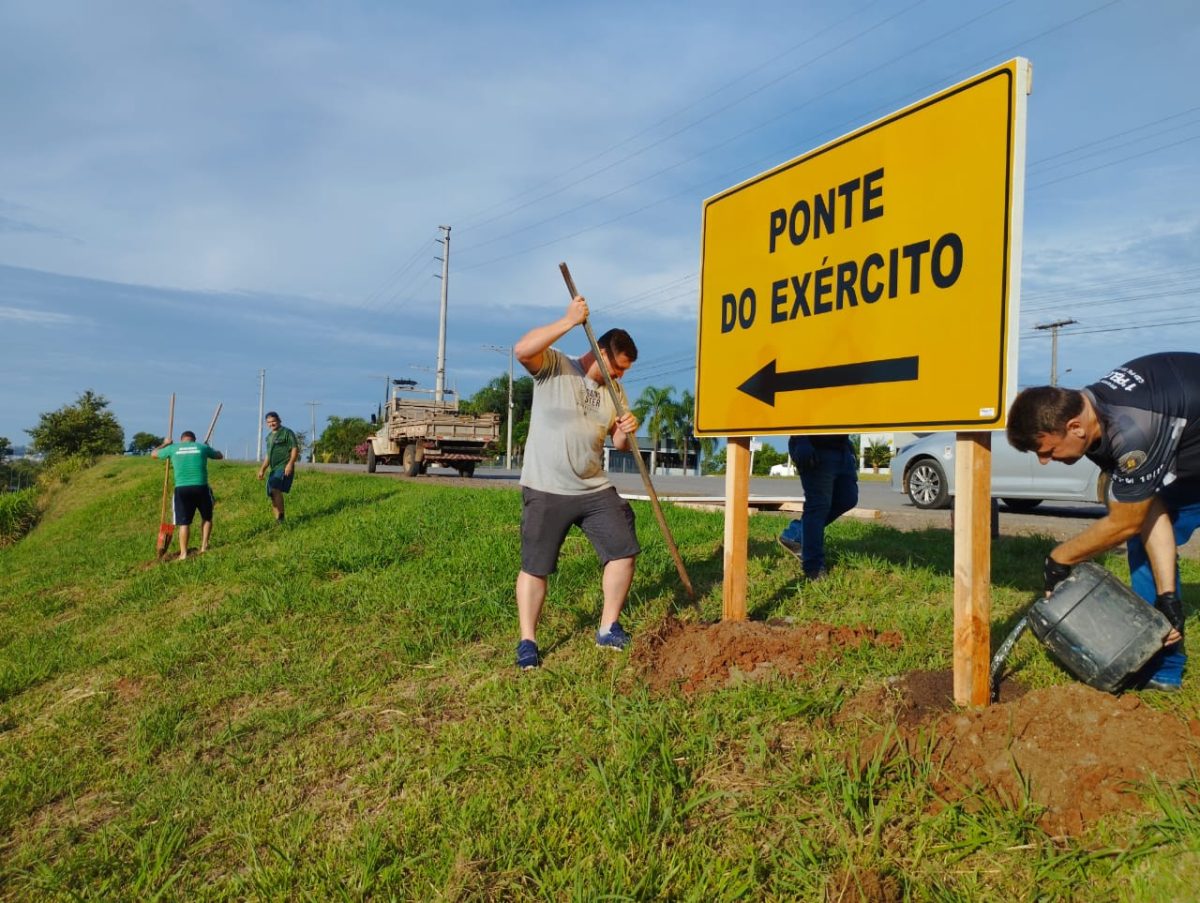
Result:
[{"x": 546, "y": 517}]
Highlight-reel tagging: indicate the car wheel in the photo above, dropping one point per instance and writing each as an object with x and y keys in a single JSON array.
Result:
[
  {"x": 927, "y": 484},
  {"x": 1020, "y": 505}
]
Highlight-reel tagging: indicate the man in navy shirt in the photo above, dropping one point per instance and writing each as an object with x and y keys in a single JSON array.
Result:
[{"x": 1141, "y": 425}]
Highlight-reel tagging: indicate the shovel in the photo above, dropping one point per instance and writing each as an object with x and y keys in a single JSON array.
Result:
[{"x": 165, "y": 530}]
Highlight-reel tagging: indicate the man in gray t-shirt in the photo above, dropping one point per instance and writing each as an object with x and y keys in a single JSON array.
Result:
[{"x": 563, "y": 481}]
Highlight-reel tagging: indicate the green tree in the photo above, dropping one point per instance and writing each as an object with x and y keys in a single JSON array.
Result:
[
  {"x": 493, "y": 399},
  {"x": 5, "y": 471},
  {"x": 766, "y": 458},
  {"x": 84, "y": 428},
  {"x": 684, "y": 433},
  {"x": 143, "y": 443},
  {"x": 340, "y": 438},
  {"x": 877, "y": 454},
  {"x": 657, "y": 413}
]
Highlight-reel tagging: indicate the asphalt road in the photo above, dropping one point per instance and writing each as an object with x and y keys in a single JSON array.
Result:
[{"x": 877, "y": 500}]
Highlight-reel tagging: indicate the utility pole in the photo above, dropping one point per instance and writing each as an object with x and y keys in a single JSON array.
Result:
[
  {"x": 440, "y": 386},
  {"x": 387, "y": 390},
  {"x": 312, "y": 436},
  {"x": 1054, "y": 327},
  {"x": 262, "y": 389},
  {"x": 508, "y": 446}
]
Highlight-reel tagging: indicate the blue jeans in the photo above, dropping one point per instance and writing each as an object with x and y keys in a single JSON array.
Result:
[
  {"x": 1183, "y": 504},
  {"x": 830, "y": 490}
]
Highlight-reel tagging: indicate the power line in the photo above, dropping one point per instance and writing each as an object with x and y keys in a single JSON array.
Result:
[
  {"x": 692, "y": 189},
  {"x": 693, "y": 104},
  {"x": 790, "y": 112}
]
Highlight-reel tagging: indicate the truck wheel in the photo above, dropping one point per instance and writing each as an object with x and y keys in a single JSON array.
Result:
[
  {"x": 468, "y": 469},
  {"x": 371, "y": 459},
  {"x": 411, "y": 467}
]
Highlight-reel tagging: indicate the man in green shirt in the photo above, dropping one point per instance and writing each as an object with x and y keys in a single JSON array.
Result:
[
  {"x": 189, "y": 462},
  {"x": 282, "y": 453}
]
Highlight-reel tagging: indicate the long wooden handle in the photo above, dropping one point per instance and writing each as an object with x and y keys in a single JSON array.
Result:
[
  {"x": 637, "y": 454},
  {"x": 162, "y": 518},
  {"x": 213, "y": 425}
]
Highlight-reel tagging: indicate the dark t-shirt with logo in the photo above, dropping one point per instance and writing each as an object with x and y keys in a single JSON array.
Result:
[{"x": 1150, "y": 411}]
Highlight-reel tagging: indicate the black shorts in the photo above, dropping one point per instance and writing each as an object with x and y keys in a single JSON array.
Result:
[
  {"x": 546, "y": 517},
  {"x": 189, "y": 500}
]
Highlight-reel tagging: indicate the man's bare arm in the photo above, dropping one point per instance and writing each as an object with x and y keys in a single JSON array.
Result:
[
  {"x": 623, "y": 432},
  {"x": 1123, "y": 520},
  {"x": 531, "y": 348}
]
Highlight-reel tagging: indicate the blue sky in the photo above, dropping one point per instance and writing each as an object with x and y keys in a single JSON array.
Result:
[{"x": 194, "y": 191}]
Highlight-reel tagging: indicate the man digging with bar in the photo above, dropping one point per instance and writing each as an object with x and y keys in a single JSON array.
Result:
[{"x": 563, "y": 482}]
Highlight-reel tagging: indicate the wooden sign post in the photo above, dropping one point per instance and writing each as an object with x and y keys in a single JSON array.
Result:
[
  {"x": 972, "y": 567},
  {"x": 817, "y": 281},
  {"x": 737, "y": 528}
]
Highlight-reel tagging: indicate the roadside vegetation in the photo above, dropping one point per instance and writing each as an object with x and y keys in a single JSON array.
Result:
[
  {"x": 68, "y": 440},
  {"x": 18, "y": 514},
  {"x": 329, "y": 710}
]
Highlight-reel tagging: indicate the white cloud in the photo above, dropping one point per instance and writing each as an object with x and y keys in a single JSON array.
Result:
[{"x": 39, "y": 317}]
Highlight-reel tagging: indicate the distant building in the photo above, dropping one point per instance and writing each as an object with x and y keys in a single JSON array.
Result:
[{"x": 667, "y": 457}]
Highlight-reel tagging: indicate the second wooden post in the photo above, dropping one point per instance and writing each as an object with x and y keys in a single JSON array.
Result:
[{"x": 972, "y": 567}]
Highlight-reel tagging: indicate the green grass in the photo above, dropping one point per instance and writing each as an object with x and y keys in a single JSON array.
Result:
[
  {"x": 18, "y": 514},
  {"x": 329, "y": 710}
]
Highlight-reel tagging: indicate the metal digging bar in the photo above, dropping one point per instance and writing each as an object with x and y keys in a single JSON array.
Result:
[
  {"x": 637, "y": 455},
  {"x": 213, "y": 423}
]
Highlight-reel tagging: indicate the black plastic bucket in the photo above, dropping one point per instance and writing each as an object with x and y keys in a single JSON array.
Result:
[{"x": 1098, "y": 628}]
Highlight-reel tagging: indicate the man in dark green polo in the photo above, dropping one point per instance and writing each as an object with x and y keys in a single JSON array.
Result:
[
  {"x": 282, "y": 453},
  {"x": 189, "y": 462}
]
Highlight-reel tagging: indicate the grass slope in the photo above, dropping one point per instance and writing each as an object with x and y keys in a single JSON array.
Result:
[{"x": 330, "y": 710}]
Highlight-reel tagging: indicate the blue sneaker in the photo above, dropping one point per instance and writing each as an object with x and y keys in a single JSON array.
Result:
[
  {"x": 794, "y": 547},
  {"x": 527, "y": 655},
  {"x": 1162, "y": 686},
  {"x": 613, "y": 638}
]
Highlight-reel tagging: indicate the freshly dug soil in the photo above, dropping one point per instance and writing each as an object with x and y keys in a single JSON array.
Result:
[
  {"x": 912, "y": 699},
  {"x": 1082, "y": 753},
  {"x": 696, "y": 657}
]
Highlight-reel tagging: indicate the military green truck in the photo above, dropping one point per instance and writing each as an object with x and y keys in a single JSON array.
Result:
[{"x": 415, "y": 432}]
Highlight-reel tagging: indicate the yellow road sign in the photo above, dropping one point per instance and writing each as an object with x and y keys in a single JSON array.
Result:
[{"x": 873, "y": 282}]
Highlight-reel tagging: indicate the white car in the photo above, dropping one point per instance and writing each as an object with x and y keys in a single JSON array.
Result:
[
  {"x": 924, "y": 471},
  {"x": 783, "y": 470}
]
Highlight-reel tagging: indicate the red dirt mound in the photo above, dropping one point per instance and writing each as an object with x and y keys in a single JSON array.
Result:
[
  {"x": 707, "y": 656},
  {"x": 1082, "y": 753},
  {"x": 912, "y": 699}
]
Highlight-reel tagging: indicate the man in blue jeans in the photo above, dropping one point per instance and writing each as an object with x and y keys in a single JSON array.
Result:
[
  {"x": 828, "y": 471},
  {"x": 1141, "y": 424}
]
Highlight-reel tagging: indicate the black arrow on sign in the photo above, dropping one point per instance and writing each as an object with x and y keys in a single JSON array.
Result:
[{"x": 766, "y": 382}]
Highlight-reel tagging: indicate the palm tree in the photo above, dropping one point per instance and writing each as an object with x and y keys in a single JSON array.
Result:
[
  {"x": 684, "y": 431},
  {"x": 654, "y": 410}
]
